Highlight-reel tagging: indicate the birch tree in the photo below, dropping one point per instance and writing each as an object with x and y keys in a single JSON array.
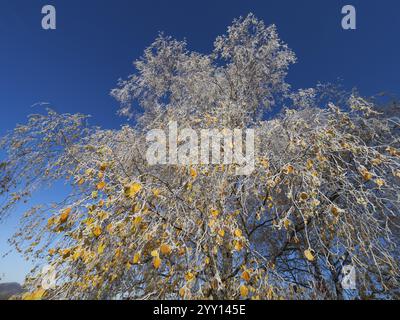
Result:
[{"x": 324, "y": 193}]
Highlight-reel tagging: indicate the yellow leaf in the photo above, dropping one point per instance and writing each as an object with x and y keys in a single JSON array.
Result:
[
  {"x": 81, "y": 181},
  {"x": 64, "y": 215},
  {"x": 335, "y": 211},
  {"x": 392, "y": 151},
  {"x": 244, "y": 291},
  {"x": 238, "y": 233},
  {"x": 51, "y": 221},
  {"x": 365, "y": 173},
  {"x": 310, "y": 164},
  {"x": 246, "y": 275},
  {"x": 156, "y": 262},
  {"x": 101, "y": 248},
  {"x": 132, "y": 189},
  {"x": 238, "y": 245},
  {"x": 215, "y": 212},
  {"x": 36, "y": 295},
  {"x": 182, "y": 292},
  {"x": 103, "y": 166},
  {"x": 97, "y": 231},
  {"x": 376, "y": 161},
  {"x": 109, "y": 227},
  {"x": 207, "y": 260},
  {"x": 286, "y": 223},
  {"x": 309, "y": 255},
  {"x": 137, "y": 220},
  {"x": 221, "y": 232},
  {"x": 154, "y": 253},
  {"x": 193, "y": 173},
  {"x": 189, "y": 276},
  {"x": 136, "y": 258},
  {"x": 380, "y": 182},
  {"x": 101, "y": 185},
  {"x": 76, "y": 255},
  {"x": 165, "y": 249},
  {"x": 66, "y": 253},
  {"x": 289, "y": 169}
]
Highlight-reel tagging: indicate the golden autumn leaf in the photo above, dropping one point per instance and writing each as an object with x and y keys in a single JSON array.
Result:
[
  {"x": 101, "y": 248},
  {"x": 36, "y": 295},
  {"x": 244, "y": 291},
  {"x": 221, "y": 232},
  {"x": 289, "y": 169},
  {"x": 376, "y": 161},
  {"x": 286, "y": 223},
  {"x": 156, "y": 262},
  {"x": 132, "y": 189},
  {"x": 392, "y": 151},
  {"x": 246, "y": 275},
  {"x": 365, "y": 174},
  {"x": 309, "y": 164},
  {"x": 109, "y": 227},
  {"x": 335, "y": 211},
  {"x": 101, "y": 185},
  {"x": 189, "y": 276},
  {"x": 238, "y": 245},
  {"x": 165, "y": 249},
  {"x": 118, "y": 253},
  {"x": 182, "y": 292},
  {"x": 214, "y": 212},
  {"x": 154, "y": 253},
  {"x": 136, "y": 258},
  {"x": 193, "y": 173},
  {"x": 65, "y": 214},
  {"x": 51, "y": 221},
  {"x": 380, "y": 182},
  {"x": 77, "y": 254},
  {"x": 309, "y": 255},
  {"x": 238, "y": 233},
  {"x": 97, "y": 231},
  {"x": 137, "y": 220},
  {"x": 65, "y": 253}
]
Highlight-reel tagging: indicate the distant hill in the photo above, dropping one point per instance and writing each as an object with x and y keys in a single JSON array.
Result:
[{"x": 9, "y": 289}]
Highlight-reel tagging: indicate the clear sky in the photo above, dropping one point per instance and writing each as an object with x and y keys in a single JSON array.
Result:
[{"x": 75, "y": 66}]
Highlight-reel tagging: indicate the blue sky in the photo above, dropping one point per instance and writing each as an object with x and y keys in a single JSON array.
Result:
[{"x": 75, "y": 66}]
